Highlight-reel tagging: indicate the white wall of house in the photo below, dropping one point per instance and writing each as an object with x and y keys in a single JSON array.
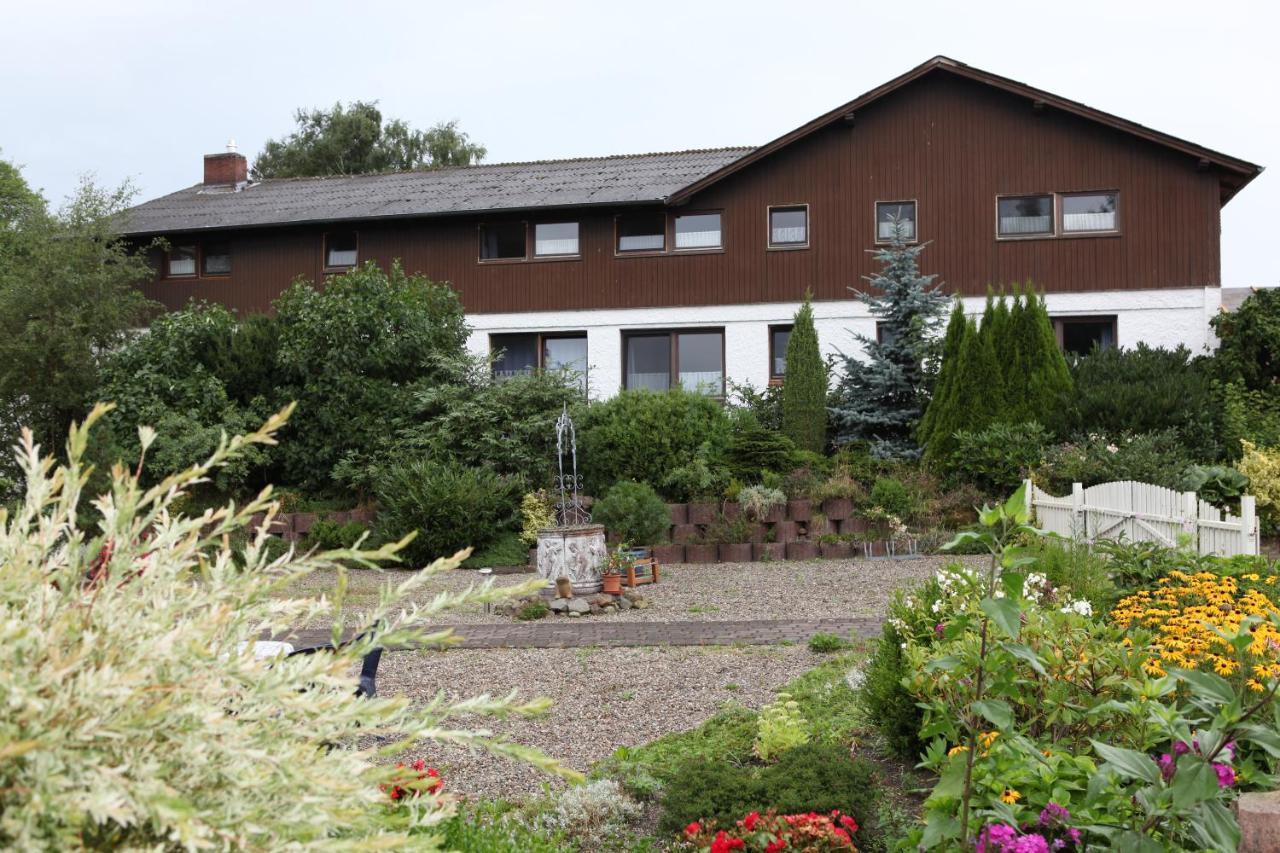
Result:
[{"x": 1160, "y": 318}]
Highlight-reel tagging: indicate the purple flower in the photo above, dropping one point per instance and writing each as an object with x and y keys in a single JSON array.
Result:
[
  {"x": 1032, "y": 843},
  {"x": 1226, "y": 776},
  {"x": 1230, "y": 749},
  {"x": 1180, "y": 748},
  {"x": 1075, "y": 835},
  {"x": 939, "y": 630},
  {"x": 1166, "y": 765},
  {"x": 995, "y": 838},
  {"x": 1053, "y": 814}
]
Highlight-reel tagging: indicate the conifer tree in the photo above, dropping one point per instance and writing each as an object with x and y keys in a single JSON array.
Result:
[
  {"x": 880, "y": 400},
  {"x": 804, "y": 392},
  {"x": 942, "y": 388}
]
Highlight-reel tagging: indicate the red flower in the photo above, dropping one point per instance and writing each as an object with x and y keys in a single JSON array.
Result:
[
  {"x": 693, "y": 829},
  {"x": 749, "y": 822},
  {"x": 720, "y": 844},
  {"x": 849, "y": 823},
  {"x": 775, "y": 846}
]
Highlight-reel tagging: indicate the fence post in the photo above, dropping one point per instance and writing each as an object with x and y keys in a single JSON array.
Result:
[
  {"x": 1191, "y": 517},
  {"x": 1028, "y": 501},
  {"x": 1079, "y": 522},
  {"x": 1248, "y": 520}
]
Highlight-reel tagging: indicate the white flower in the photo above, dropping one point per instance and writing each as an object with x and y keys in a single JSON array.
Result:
[
  {"x": 937, "y": 606},
  {"x": 1079, "y": 606}
]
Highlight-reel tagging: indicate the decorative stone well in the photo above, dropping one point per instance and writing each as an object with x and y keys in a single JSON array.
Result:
[{"x": 574, "y": 548}]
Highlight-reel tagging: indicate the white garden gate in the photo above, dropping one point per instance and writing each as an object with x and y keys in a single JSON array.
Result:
[{"x": 1142, "y": 512}]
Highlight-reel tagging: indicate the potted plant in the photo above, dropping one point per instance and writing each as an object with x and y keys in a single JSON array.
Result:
[
  {"x": 834, "y": 547},
  {"x": 619, "y": 559},
  {"x": 838, "y": 495},
  {"x": 730, "y": 535},
  {"x": 761, "y": 503}
]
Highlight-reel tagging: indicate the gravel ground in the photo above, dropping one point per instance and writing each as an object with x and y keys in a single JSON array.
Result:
[
  {"x": 814, "y": 589},
  {"x": 604, "y": 699}
]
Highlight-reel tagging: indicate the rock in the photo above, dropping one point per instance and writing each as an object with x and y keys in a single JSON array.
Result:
[
  {"x": 609, "y": 608},
  {"x": 596, "y": 610},
  {"x": 1259, "y": 814},
  {"x": 631, "y": 595},
  {"x": 624, "y": 603},
  {"x": 578, "y": 606},
  {"x": 600, "y": 599},
  {"x": 559, "y": 605},
  {"x": 574, "y": 614},
  {"x": 640, "y": 604}
]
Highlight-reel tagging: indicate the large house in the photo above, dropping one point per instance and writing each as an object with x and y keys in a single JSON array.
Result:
[{"x": 685, "y": 268}]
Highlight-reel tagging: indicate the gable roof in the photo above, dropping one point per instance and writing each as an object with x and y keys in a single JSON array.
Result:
[
  {"x": 617, "y": 180},
  {"x": 1234, "y": 173}
]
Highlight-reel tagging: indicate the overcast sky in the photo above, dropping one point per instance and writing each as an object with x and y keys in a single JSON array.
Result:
[{"x": 140, "y": 90}]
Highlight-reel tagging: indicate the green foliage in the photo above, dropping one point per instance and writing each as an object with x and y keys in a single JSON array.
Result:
[
  {"x": 765, "y": 404},
  {"x": 537, "y": 511},
  {"x": 634, "y": 512},
  {"x": 779, "y": 728},
  {"x": 1249, "y": 348},
  {"x": 1246, "y": 415},
  {"x": 671, "y": 440},
  {"x": 944, "y": 384},
  {"x": 891, "y": 496},
  {"x": 1217, "y": 484},
  {"x": 353, "y": 140},
  {"x": 758, "y": 501},
  {"x": 804, "y": 393},
  {"x": 531, "y": 611},
  {"x": 1082, "y": 571},
  {"x": 753, "y": 448},
  {"x": 1145, "y": 390},
  {"x": 823, "y": 643},
  {"x": 1038, "y": 382},
  {"x": 887, "y": 703},
  {"x": 881, "y": 400},
  {"x": 450, "y": 507},
  {"x": 333, "y": 535},
  {"x": 997, "y": 458},
  {"x": 506, "y": 549},
  {"x": 118, "y": 736},
  {"x": 486, "y": 828},
  {"x": 1156, "y": 457},
  {"x": 68, "y": 296}
]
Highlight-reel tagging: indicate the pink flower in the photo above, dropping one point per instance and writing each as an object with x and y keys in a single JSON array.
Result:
[
  {"x": 1053, "y": 814},
  {"x": 994, "y": 838},
  {"x": 1226, "y": 776},
  {"x": 1033, "y": 843},
  {"x": 1180, "y": 748}
]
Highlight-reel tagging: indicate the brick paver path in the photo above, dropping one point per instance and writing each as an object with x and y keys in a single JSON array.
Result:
[{"x": 573, "y": 633}]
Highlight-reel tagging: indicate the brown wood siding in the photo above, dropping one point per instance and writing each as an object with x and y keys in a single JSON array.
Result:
[{"x": 950, "y": 143}]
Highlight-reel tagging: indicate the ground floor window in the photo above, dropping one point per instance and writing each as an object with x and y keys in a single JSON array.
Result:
[
  {"x": 517, "y": 354},
  {"x": 779, "y": 337},
  {"x": 1079, "y": 335},
  {"x": 659, "y": 361}
]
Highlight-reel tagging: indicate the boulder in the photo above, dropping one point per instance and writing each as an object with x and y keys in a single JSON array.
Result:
[
  {"x": 578, "y": 606},
  {"x": 559, "y": 605}
]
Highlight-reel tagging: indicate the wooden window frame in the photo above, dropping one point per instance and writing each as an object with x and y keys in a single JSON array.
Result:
[
  {"x": 324, "y": 249},
  {"x": 1074, "y": 235},
  {"x": 1051, "y": 234},
  {"x": 204, "y": 273},
  {"x": 643, "y": 253},
  {"x": 673, "y": 345},
  {"x": 539, "y": 339},
  {"x": 694, "y": 250},
  {"x": 777, "y": 378},
  {"x": 531, "y": 234},
  {"x": 1059, "y": 320},
  {"x": 524, "y": 223},
  {"x": 195, "y": 256},
  {"x": 875, "y": 208},
  {"x": 768, "y": 225}
]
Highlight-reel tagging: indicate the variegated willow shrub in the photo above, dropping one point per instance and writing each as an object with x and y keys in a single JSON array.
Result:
[{"x": 135, "y": 713}]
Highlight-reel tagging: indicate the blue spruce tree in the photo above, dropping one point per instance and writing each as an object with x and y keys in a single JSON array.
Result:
[{"x": 881, "y": 399}]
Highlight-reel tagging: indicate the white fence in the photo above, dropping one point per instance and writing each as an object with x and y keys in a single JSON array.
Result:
[{"x": 1142, "y": 512}]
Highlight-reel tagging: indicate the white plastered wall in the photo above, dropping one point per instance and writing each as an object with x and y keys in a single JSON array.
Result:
[{"x": 1160, "y": 318}]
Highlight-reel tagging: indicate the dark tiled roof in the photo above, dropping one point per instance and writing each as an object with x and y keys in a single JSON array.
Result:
[{"x": 510, "y": 186}]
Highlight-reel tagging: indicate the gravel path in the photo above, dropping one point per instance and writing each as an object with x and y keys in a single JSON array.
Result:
[{"x": 604, "y": 699}]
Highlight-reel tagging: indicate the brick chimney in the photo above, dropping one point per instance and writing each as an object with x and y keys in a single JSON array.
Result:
[{"x": 228, "y": 170}]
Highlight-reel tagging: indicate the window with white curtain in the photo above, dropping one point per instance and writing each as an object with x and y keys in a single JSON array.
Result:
[
  {"x": 1025, "y": 215},
  {"x": 789, "y": 226},
  {"x": 182, "y": 261},
  {"x": 692, "y": 360},
  {"x": 698, "y": 231},
  {"x": 555, "y": 238},
  {"x": 642, "y": 232},
  {"x": 1084, "y": 212},
  {"x": 340, "y": 249},
  {"x": 895, "y": 220}
]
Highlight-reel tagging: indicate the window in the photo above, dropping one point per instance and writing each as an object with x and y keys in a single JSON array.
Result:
[
  {"x": 502, "y": 241},
  {"x": 698, "y": 231},
  {"x": 518, "y": 354},
  {"x": 340, "y": 249},
  {"x": 568, "y": 354},
  {"x": 216, "y": 259},
  {"x": 694, "y": 360},
  {"x": 1079, "y": 335},
  {"x": 779, "y": 337},
  {"x": 895, "y": 219},
  {"x": 555, "y": 238},
  {"x": 1024, "y": 216},
  {"x": 182, "y": 261},
  {"x": 884, "y": 335},
  {"x": 1085, "y": 212},
  {"x": 789, "y": 226},
  {"x": 642, "y": 232}
]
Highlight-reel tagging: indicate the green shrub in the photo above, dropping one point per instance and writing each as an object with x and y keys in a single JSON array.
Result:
[
  {"x": 508, "y": 549},
  {"x": 634, "y": 512},
  {"x": 765, "y": 404},
  {"x": 758, "y": 501},
  {"x": 1217, "y": 484},
  {"x": 1246, "y": 415},
  {"x": 752, "y": 449},
  {"x": 823, "y": 643},
  {"x": 887, "y": 703},
  {"x": 804, "y": 394},
  {"x": 646, "y": 436},
  {"x": 701, "y": 790},
  {"x": 891, "y": 496},
  {"x": 1077, "y": 568},
  {"x": 531, "y": 611},
  {"x": 998, "y": 458},
  {"x": 332, "y": 535},
  {"x": 537, "y": 511},
  {"x": 780, "y": 727},
  {"x": 1155, "y": 457},
  {"x": 450, "y": 507},
  {"x": 485, "y": 828},
  {"x": 1249, "y": 341}
]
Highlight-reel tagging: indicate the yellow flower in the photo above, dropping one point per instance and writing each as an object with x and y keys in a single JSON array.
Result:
[
  {"x": 957, "y": 750},
  {"x": 1010, "y": 796}
]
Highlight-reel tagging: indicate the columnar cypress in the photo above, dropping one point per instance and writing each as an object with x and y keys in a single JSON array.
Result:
[
  {"x": 804, "y": 391},
  {"x": 947, "y": 372}
]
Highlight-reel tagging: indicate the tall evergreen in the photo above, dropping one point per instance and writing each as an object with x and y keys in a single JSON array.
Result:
[
  {"x": 804, "y": 392},
  {"x": 966, "y": 400},
  {"x": 1000, "y": 331},
  {"x": 1050, "y": 380},
  {"x": 881, "y": 400},
  {"x": 951, "y": 343}
]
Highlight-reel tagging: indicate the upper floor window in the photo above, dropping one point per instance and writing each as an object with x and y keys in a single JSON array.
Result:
[
  {"x": 779, "y": 337},
  {"x": 1085, "y": 212},
  {"x": 182, "y": 261},
  {"x": 555, "y": 238},
  {"x": 895, "y": 220},
  {"x": 340, "y": 249},
  {"x": 698, "y": 231},
  {"x": 502, "y": 241},
  {"x": 216, "y": 259},
  {"x": 642, "y": 232},
  {"x": 789, "y": 226},
  {"x": 1024, "y": 215}
]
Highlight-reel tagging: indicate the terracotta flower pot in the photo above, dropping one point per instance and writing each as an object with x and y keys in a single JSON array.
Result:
[
  {"x": 686, "y": 534},
  {"x": 702, "y": 513},
  {"x": 666, "y": 554},
  {"x": 679, "y": 513},
  {"x": 802, "y": 550},
  {"x": 756, "y": 532},
  {"x": 303, "y": 521},
  {"x": 731, "y": 510},
  {"x": 874, "y": 548},
  {"x": 340, "y": 517},
  {"x": 799, "y": 510},
  {"x": 837, "y": 509},
  {"x": 775, "y": 514},
  {"x": 768, "y": 551},
  {"x": 840, "y": 550},
  {"x": 819, "y": 527},
  {"x": 612, "y": 583},
  {"x": 855, "y": 525},
  {"x": 739, "y": 552},
  {"x": 786, "y": 531},
  {"x": 701, "y": 553}
]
